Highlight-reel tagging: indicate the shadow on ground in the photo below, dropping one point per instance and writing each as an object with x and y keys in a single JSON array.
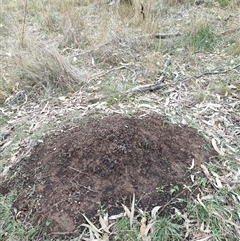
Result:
[{"x": 106, "y": 161}]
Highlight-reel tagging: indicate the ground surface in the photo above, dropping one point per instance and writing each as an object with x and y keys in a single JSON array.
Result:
[
  {"x": 106, "y": 161},
  {"x": 65, "y": 61}
]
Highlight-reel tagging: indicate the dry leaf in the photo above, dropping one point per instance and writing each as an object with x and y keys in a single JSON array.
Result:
[
  {"x": 93, "y": 232},
  {"x": 205, "y": 170},
  {"x": 143, "y": 226},
  {"x": 117, "y": 216},
  {"x": 200, "y": 201},
  {"x": 154, "y": 212},
  {"x": 192, "y": 166},
  {"x": 5, "y": 144},
  {"x": 61, "y": 98},
  {"x": 91, "y": 226},
  {"x": 148, "y": 228},
  {"x": 104, "y": 224},
  {"x": 214, "y": 144},
  {"x": 127, "y": 211},
  {"x": 219, "y": 184},
  {"x": 105, "y": 237}
]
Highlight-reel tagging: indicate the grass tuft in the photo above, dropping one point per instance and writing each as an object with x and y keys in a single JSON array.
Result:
[
  {"x": 166, "y": 229},
  {"x": 46, "y": 71},
  {"x": 202, "y": 37}
]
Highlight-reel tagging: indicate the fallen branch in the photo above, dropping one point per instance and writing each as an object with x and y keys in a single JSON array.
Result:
[{"x": 159, "y": 84}]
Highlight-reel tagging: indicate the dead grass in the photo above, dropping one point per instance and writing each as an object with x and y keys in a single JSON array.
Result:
[
  {"x": 72, "y": 52},
  {"x": 45, "y": 70}
]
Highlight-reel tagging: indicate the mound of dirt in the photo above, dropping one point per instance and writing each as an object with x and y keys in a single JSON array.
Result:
[{"x": 106, "y": 161}]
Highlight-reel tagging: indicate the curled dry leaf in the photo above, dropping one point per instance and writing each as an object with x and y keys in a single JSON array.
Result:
[
  {"x": 117, "y": 216},
  {"x": 127, "y": 211},
  {"x": 192, "y": 166},
  {"x": 205, "y": 170},
  {"x": 149, "y": 227},
  {"x": 214, "y": 144},
  {"x": 217, "y": 178},
  {"x": 62, "y": 98},
  {"x": 154, "y": 212},
  {"x": 219, "y": 183},
  {"x": 192, "y": 178},
  {"x": 201, "y": 203}
]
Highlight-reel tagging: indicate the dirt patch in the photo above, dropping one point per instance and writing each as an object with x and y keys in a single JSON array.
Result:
[{"x": 106, "y": 161}]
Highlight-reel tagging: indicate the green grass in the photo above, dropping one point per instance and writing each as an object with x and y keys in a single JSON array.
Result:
[
  {"x": 202, "y": 37},
  {"x": 11, "y": 229},
  {"x": 124, "y": 231},
  {"x": 166, "y": 230},
  {"x": 216, "y": 216},
  {"x": 224, "y": 3},
  {"x": 163, "y": 228}
]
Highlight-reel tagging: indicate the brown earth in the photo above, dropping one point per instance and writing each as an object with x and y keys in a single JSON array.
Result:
[{"x": 106, "y": 161}]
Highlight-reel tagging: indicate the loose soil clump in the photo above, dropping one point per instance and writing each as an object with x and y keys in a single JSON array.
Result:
[{"x": 104, "y": 162}]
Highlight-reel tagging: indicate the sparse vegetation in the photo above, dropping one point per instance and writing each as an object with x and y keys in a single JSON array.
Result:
[
  {"x": 65, "y": 60},
  {"x": 10, "y": 229},
  {"x": 202, "y": 37}
]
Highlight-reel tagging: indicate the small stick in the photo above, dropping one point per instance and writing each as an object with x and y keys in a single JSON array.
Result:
[
  {"x": 77, "y": 170},
  {"x": 88, "y": 188},
  {"x": 208, "y": 73}
]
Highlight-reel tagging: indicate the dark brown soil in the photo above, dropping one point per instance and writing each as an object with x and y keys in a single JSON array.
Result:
[{"x": 106, "y": 161}]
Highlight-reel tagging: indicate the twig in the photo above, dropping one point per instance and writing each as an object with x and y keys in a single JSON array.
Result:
[
  {"x": 153, "y": 35},
  {"x": 62, "y": 233},
  {"x": 157, "y": 85},
  {"x": 166, "y": 35},
  {"x": 105, "y": 73},
  {"x": 77, "y": 170},
  {"x": 158, "y": 35},
  {"x": 208, "y": 73},
  {"x": 88, "y": 188}
]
